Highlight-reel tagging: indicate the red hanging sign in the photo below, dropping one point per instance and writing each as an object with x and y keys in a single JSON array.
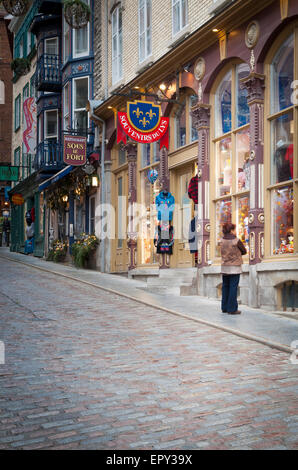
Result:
[
  {"x": 75, "y": 150},
  {"x": 143, "y": 123}
]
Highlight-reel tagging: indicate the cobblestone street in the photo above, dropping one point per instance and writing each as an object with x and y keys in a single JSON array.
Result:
[{"x": 87, "y": 369}]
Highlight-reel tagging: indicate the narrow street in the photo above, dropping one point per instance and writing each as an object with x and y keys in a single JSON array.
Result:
[{"x": 87, "y": 369}]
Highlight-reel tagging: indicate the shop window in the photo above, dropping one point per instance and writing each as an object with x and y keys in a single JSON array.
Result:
[
  {"x": 282, "y": 76},
  {"x": 283, "y": 158},
  {"x": 242, "y": 156},
  {"x": 179, "y": 11},
  {"x": 145, "y": 155},
  {"x": 223, "y": 215},
  {"x": 81, "y": 40},
  {"x": 282, "y": 133},
  {"x": 282, "y": 220},
  {"x": 149, "y": 221},
  {"x": 121, "y": 156},
  {"x": 145, "y": 29},
  {"x": 121, "y": 214},
  {"x": 116, "y": 45},
  {"x": 223, "y": 106},
  {"x": 193, "y": 99},
  {"x": 81, "y": 96},
  {"x": 156, "y": 151},
  {"x": 232, "y": 163},
  {"x": 180, "y": 121}
]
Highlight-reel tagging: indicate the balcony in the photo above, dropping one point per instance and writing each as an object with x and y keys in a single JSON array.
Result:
[
  {"x": 49, "y": 157},
  {"x": 48, "y": 76}
]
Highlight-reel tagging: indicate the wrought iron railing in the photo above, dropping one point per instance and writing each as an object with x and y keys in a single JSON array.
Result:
[
  {"x": 49, "y": 155},
  {"x": 48, "y": 71}
]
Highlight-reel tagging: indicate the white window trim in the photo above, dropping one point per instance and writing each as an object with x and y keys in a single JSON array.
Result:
[
  {"x": 66, "y": 29},
  {"x": 66, "y": 91},
  {"x": 146, "y": 55},
  {"x": 116, "y": 75},
  {"x": 182, "y": 29},
  {"x": 74, "y": 109},
  {"x": 46, "y": 136},
  {"x": 74, "y": 32},
  {"x": 51, "y": 39}
]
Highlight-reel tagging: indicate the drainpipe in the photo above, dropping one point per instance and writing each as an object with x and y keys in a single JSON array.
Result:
[{"x": 92, "y": 105}]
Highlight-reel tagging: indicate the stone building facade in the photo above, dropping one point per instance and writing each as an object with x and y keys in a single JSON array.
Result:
[{"x": 225, "y": 75}]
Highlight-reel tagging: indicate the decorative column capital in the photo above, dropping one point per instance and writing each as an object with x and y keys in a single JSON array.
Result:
[
  {"x": 131, "y": 149},
  {"x": 255, "y": 85},
  {"x": 201, "y": 114}
]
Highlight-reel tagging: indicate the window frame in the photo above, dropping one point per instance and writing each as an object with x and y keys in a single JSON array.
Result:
[
  {"x": 117, "y": 56},
  {"x": 17, "y": 112},
  {"x": 270, "y": 115},
  {"x": 147, "y": 32},
  {"x": 235, "y": 195},
  {"x": 86, "y": 52},
  {"x": 74, "y": 109},
  {"x": 46, "y": 135},
  {"x": 180, "y": 4}
]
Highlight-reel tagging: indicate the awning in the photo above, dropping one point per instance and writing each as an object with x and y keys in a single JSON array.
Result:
[{"x": 55, "y": 178}]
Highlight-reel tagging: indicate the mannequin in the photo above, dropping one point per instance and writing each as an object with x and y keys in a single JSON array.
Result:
[
  {"x": 165, "y": 203},
  {"x": 164, "y": 234}
]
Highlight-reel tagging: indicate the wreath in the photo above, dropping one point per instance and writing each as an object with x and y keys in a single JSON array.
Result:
[{"x": 16, "y": 7}]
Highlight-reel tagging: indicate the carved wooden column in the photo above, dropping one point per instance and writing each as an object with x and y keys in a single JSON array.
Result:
[
  {"x": 131, "y": 150},
  {"x": 164, "y": 175},
  {"x": 201, "y": 114},
  {"x": 254, "y": 84}
]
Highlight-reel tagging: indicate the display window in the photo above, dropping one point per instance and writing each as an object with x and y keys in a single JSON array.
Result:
[
  {"x": 231, "y": 154},
  {"x": 282, "y": 158},
  {"x": 149, "y": 220},
  {"x": 282, "y": 220}
]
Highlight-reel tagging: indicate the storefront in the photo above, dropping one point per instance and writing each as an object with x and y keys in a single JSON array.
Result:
[{"x": 233, "y": 123}]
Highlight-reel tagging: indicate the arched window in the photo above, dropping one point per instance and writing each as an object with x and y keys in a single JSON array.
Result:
[
  {"x": 2, "y": 92},
  {"x": 283, "y": 154},
  {"x": 231, "y": 150}
]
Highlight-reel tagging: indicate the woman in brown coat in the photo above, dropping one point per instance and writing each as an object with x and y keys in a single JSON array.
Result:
[{"x": 232, "y": 250}]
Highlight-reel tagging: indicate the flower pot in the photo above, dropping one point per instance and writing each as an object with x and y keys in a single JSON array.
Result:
[{"x": 76, "y": 13}]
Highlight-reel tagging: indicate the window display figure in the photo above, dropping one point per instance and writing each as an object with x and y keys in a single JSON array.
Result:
[
  {"x": 164, "y": 233},
  {"x": 29, "y": 244},
  {"x": 283, "y": 159}
]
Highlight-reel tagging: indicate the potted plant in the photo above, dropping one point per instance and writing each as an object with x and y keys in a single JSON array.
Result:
[
  {"x": 58, "y": 252},
  {"x": 77, "y": 13},
  {"x": 16, "y": 7},
  {"x": 20, "y": 66},
  {"x": 82, "y": 249}
]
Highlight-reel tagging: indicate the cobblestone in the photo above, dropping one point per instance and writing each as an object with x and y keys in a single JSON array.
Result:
[{"x": 87, "y": 369}]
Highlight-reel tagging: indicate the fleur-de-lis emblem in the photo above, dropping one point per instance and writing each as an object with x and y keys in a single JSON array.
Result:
[
  {"x": 138, "y": 112},
  {"x": 144, "y": 121},
  {"x": 150, "y": 114}
]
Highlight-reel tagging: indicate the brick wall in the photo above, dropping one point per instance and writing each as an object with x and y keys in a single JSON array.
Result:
[{"x": 6, "y": 107}]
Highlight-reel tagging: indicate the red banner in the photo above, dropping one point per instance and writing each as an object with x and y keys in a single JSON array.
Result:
[
  {"x": 124, "y": 129},
  {"x": 75, "y": 150}
]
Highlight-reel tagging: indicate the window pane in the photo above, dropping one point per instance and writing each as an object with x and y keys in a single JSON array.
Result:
[
  {"x": 81, "y": 93},
  {"x": 223, "y": 215},
  {"x": 223, "y": 106},
  {"x": 51, "y": 46},
  {"x": 121, "y": 156},
  {"x": 243, "y": 162},
  {"x": 241, "y": 100},
  {"x": 81, "y": 120},
  {"x": 81, "y": 40},
  {"x": 92, "y": 215},
  {"x": 242, "y": 225},
  {"x": 282, "y": 131},
  {"x": 145, "y": 155},
  {"x": 51, "y": 124},
  {"x": 176, "y": 19},
  {"x": 156, "y": 150},
  {"x": 120, "y": 214},
  {"x": 194, "y": 132},
  {"x": 283, "y": 234},
  {"x": 282, "y": 75},
  {"x": 184, "y": 14},
  {"x": 181, "y": 127},
  {"x": 224, "y": 166}
]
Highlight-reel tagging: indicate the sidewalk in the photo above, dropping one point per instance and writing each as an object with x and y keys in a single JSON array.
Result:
[{"x": 254, "y": 324}]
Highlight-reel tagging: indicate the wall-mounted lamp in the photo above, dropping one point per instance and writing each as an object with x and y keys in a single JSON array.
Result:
[
  {"x": 94, "y": 181},
  {"x": 65, "y": 198},
  {"x": 187, "y": 67},
  {"x": 215, "y": 30},
  {"x": 163, "y": 87}
]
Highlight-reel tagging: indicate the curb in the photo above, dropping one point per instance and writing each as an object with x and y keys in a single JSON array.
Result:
[{"x": 248, "y": 336}]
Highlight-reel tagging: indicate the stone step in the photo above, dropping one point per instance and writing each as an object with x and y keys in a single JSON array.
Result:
[{"x": 164, "y": 282}]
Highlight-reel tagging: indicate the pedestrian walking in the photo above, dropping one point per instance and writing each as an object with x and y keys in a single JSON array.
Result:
[
  {"x": 6, "y": 230},
  {"x": 232, "y": 250}
]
